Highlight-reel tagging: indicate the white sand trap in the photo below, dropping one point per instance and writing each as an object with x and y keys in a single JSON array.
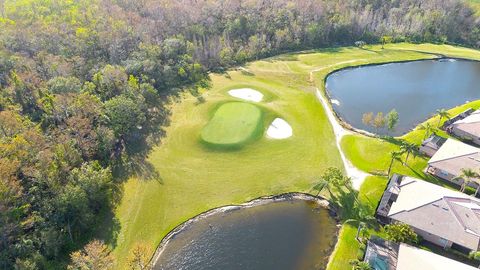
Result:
[
  {"x": 246, "y": 94},
  {"x": 279, "y": 129}
]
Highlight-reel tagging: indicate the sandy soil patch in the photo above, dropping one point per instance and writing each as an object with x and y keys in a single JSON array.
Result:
[
  {"x": 246, "y": 94},
  {"x": 279, "y": 129}
]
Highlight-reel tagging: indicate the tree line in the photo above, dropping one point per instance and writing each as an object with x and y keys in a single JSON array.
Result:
[
  {"x": 379, "y": 121},
  {"x": 84, "y": 89}
]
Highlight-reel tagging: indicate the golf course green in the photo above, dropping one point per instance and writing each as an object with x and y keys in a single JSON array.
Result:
[
  {"x": 193, "y": 179},
  {"x": 233, "y": 125}
]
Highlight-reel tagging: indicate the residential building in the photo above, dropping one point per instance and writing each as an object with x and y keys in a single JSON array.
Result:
[
  {"x": 386, "y": 255},
  {"x": 468, "y": 128},
  {"x": 431, "y": 145},
  {"x": 444, "y": 217},
  {"x": 453, "y": 156}
]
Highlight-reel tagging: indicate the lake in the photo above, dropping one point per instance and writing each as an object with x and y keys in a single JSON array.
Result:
[
  {"x": 414, "y": 89},
  {"x": 285, "y": 235}
]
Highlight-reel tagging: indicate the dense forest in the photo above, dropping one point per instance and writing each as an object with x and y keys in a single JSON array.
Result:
[{"x": 85, "y": 84}]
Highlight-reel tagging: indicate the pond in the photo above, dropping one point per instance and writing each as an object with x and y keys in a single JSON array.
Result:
[
  {"x": 284, "y": 235},
  {"x": 414, "y": 89}
]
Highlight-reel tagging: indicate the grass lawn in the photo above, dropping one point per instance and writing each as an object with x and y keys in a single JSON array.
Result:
[
  {"x": 194, "y": 178},
  {"x": 348, "y": 248},
  {"x": 373, "y": 155},
  {"x": 233, "y": 125}
]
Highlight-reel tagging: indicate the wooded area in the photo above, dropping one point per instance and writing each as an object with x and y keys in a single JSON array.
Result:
[{"x": 84, "y": 84}]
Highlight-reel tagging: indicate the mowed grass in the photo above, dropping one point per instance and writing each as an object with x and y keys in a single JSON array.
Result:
[
  {"x": 194, "y": 178},
  {"x": 348, "y": 248},
  {"x": 373, "y": 155},
  {"x": 233, "y": 125}
]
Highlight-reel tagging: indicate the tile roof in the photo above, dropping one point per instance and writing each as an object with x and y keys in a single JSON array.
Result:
[
  {"x": 453, "y": 149},
  {"x": 412, "y": 258},
  {"x": 446, "y": 213}
]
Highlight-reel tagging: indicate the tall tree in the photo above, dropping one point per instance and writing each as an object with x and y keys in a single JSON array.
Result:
[
  {"x": 358, "y": 265},
  {"x": 94, "y": 256},
  {"x": 367, "y": 118},
  {"x": 408, "y": 148},
  {"x": 140, "y": 257},
  {"x": 392, "y": 120},
  {"x": 468, "y": 176},
  {"x": 428, "y": 129},
  {"x": 400, "y": 233},
  {"x": 442, "y": 114},
  {"x": 363, "y": 218},
  {"x": 379, "y": 121},
  {"x": 394, "y": 155},
  {"x": 332, "y": 178}
]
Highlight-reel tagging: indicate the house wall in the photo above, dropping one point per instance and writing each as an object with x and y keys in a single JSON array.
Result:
[
  {"x": 465, "y": 136},
  {"x": 435, "y": 239},
  {"x": 427, "y": 150},
  {"x": 444, "y": 175}
]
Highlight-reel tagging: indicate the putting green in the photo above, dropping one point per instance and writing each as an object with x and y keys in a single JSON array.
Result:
[
  {"x": 233, "y": 125},
  {"x": 192, "y": 179}
]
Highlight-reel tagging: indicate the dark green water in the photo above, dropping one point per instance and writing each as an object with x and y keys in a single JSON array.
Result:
[
  {"x": 415, "y": 89},
  {"x": 276, "y": 236}
]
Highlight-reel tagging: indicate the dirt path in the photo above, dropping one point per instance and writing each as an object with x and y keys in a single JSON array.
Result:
[{"x": 353, "y": 172}]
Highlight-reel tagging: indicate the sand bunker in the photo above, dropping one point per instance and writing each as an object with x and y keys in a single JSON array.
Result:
[
  {"x": 246, "y": 94},
  {"x": 279, "y": 129}
]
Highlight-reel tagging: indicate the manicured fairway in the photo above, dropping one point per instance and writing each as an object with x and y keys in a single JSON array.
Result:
[
  {"x": 193, "y": 179},
  {"x": 233, "y": 125}
]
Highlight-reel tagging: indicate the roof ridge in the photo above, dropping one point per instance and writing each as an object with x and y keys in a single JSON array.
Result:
[
  {"x": 476, "y": 152},
  {"x": 455, "y": 213},
  {"x": 416, "y": 207},
  {"x": 467, "y": 230}
]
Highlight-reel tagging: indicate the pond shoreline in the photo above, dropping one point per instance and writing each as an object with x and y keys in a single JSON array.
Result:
[
  {"x": 320, "y": 201},
  {"x": 346, "y": 125}
]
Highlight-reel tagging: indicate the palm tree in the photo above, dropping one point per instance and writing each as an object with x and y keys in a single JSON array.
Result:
[
  {"x": 358, "y": 265},
  {"x": 395, "y": 155},
  {"x": 331, "y": 178},
  {"x": 408, "y": 148},
  {"x": 468, "y": 176},
  {"x": 442, "y": 113},
  {"x": 428, "y": 128},
  {"x": 363, "y": 217},
  {"x": 320, "y": 186}
]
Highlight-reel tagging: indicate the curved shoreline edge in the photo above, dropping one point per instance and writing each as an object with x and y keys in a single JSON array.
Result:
[
  {"x": 322, "y": 202},
  {"x": 320, "y": 94},
  {"x": 347, "y": 126}
]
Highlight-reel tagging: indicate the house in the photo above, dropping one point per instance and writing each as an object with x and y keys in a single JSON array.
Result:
[
  {"x": 448, "y": 162},
  {"x": 431, "y": 145},
  {"x": 456, "y": 118},
  {"x": 444, "y": 217},
  {"x": 468, "y": 128},
  {"x": 386, "y": 255}
]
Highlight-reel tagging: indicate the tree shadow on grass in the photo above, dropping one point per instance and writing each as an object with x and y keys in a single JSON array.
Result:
[
  {"x": 108, "y": 229},
  {"x": 146, "y": 171},
  {"x": 351, "y": 210},
  {"x": 370, "y": 50},
  {"x": 392, "y": 140}
]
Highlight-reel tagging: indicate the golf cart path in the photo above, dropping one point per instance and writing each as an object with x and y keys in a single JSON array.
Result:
[{"x": 358, "y": 176}]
